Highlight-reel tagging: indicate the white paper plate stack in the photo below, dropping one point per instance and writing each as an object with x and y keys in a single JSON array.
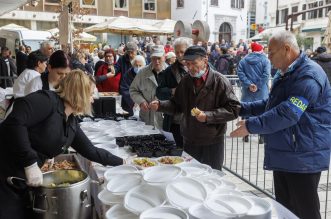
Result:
[
  {"x": 164, "y": 212},
  {"x": 119, "y": 212},
  {"x": 161, "y": 175},
  {"x": 144, "y": 197},
  {"x": 185, "y": 192}
]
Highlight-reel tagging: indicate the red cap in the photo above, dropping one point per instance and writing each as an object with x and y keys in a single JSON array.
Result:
[{"x": 256, "y": 47}]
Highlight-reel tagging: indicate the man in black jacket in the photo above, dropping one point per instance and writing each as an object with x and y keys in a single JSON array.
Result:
[
  {"x": 207, "y": 101},
  {"x": 324, "y": 60},
  {"x": 168, "y": 81},
  {"x": 21, "y": 59}
]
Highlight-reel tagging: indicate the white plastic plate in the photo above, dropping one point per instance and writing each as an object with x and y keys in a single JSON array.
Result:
[
  {"x": 121, "y": 184},
  {"x": 120, "y": 170},
  {"x": 108, "y": 198},
  {"x": 161, "y": 174},
  {"x": 171, "y": 157},
  {"x": 261, "y": 209},
  {"x": 141, "y": 167},
  {"x": 228, "y": 205},
  {"x": 144, "y": 197},
  {"x": 196, "y": 169},
  {"x": 199, "y": 211},
  {"x": 185, "y": 192},
  {"x": 164, "y": 212},
  {"x": 119, "y": 212}
]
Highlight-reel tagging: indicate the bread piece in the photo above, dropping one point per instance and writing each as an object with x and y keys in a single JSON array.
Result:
[{"x": 195, "y": 111}]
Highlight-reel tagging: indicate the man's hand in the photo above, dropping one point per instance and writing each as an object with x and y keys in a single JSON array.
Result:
[
  {"x": 201, "y": 117},
  {"x": 144, "y": 106},
  {"x": 154, "y": 105},
  {"x": 253, "y": 88},
  {"x": 110, "y": 75},
  {"x": 241, "y": 131}
]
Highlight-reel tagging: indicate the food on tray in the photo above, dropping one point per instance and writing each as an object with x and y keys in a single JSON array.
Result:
[
  {"x": 171, "y": 160},
  {"x": 143, "y": 162},
  {"x": 106, "y": 94},
  {"x": 195, "y": 111},
  {"x": 59, "y": 165}
]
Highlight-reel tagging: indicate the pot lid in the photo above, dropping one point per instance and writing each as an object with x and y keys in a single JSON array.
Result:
[
  {"x": 144, "y": 197},
  {"x": 108, "y": 198},
  {"x": 228, "y": 205},
  {"x": 161, "y": 174},
  {"x": 185, "y": 192},
  {"x": 121, "y": 184},
  {"x": 164, "y": 212},
  {"x": 196, "y": 169},
  {"x": 119, "y": 212},
  {"x": 120, "y": 170},
  {"x": 199, "y": 211}
]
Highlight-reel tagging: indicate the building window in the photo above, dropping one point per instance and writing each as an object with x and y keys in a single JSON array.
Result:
[
  {"x": 237, "y": 3},
  {"x": 312, "y": 14},
  {"x": 304, "y": 14},
  {"x": 320, "y": 11},
  {"x": 121, "y": 4},
  {"x": 149, "y": 5},
  {"x": 294, "y": 10},
  {"x": 180, "y": 3},
  {"x": 214, "y": 2},
  {"x": 327, "y": 2},
  {"x": 283, "y": 15},
  {"x": 88, "y": 3}
]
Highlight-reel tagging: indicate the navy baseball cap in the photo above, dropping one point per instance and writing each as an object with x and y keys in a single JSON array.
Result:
[{"x": 194, "y": 52}]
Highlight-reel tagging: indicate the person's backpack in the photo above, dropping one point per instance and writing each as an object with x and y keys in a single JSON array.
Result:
[{"x": 232, "y": 66}]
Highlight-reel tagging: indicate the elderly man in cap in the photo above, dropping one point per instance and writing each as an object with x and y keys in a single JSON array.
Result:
[
  {"x": 143, "y": 87},
  {"x": 296, "y": 123},
  {"x": 123, "y": 64},
  {"x": 324, "y": 60},
  {"x": 207, "y": 101},
  {"x": 168, "y": 81}
]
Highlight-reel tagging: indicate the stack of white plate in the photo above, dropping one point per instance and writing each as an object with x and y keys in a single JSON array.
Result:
[
  {"x": 185, "y": 192},
  {"x": 120, "y": 170},
  {"x": 119, "y": 212},
  {"x": 121, "y": 184},
  {"x": 161, "y": 175},
  {"x": 144, "y": 197},
  {"x": 164, "y": 212},
  {"x": 107, "y": 198},
  {"x": 196, "y": 170},
  {"x": 230, "y": 206}
]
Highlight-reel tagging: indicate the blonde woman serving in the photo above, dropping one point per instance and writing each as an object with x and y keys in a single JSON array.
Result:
[{"x": 41, "y": 126}]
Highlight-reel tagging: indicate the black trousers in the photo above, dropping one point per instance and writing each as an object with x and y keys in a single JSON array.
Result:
[
  {"x": 175, "y": 130},
  {"x": 213, "y": 154},
  {"x": 298, "y": 193}
]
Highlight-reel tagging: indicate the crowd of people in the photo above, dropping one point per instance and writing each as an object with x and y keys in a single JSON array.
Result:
[{"x": 180, "y": 88}]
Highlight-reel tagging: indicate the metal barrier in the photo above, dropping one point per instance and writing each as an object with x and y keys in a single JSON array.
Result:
[{"x": 245, "y": 160}]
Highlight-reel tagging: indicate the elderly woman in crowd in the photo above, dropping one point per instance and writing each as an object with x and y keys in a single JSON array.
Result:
[
  {"x": 107, "y": 80},
  {"x": 127, "y": 103},
  {"x": 42, "y": 125}
]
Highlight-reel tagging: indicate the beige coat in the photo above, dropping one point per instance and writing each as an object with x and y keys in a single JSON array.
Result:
[{"x": 143, "y": 88}]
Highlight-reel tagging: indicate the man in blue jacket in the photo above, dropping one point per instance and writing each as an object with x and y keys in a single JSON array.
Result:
[{"x": 296, "y": 123}]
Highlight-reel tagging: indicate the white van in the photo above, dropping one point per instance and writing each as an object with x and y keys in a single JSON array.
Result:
[{"x": 16, "y": 37}]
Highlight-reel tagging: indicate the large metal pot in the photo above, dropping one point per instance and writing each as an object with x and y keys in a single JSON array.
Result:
[{"x": 51, "y": 201}]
